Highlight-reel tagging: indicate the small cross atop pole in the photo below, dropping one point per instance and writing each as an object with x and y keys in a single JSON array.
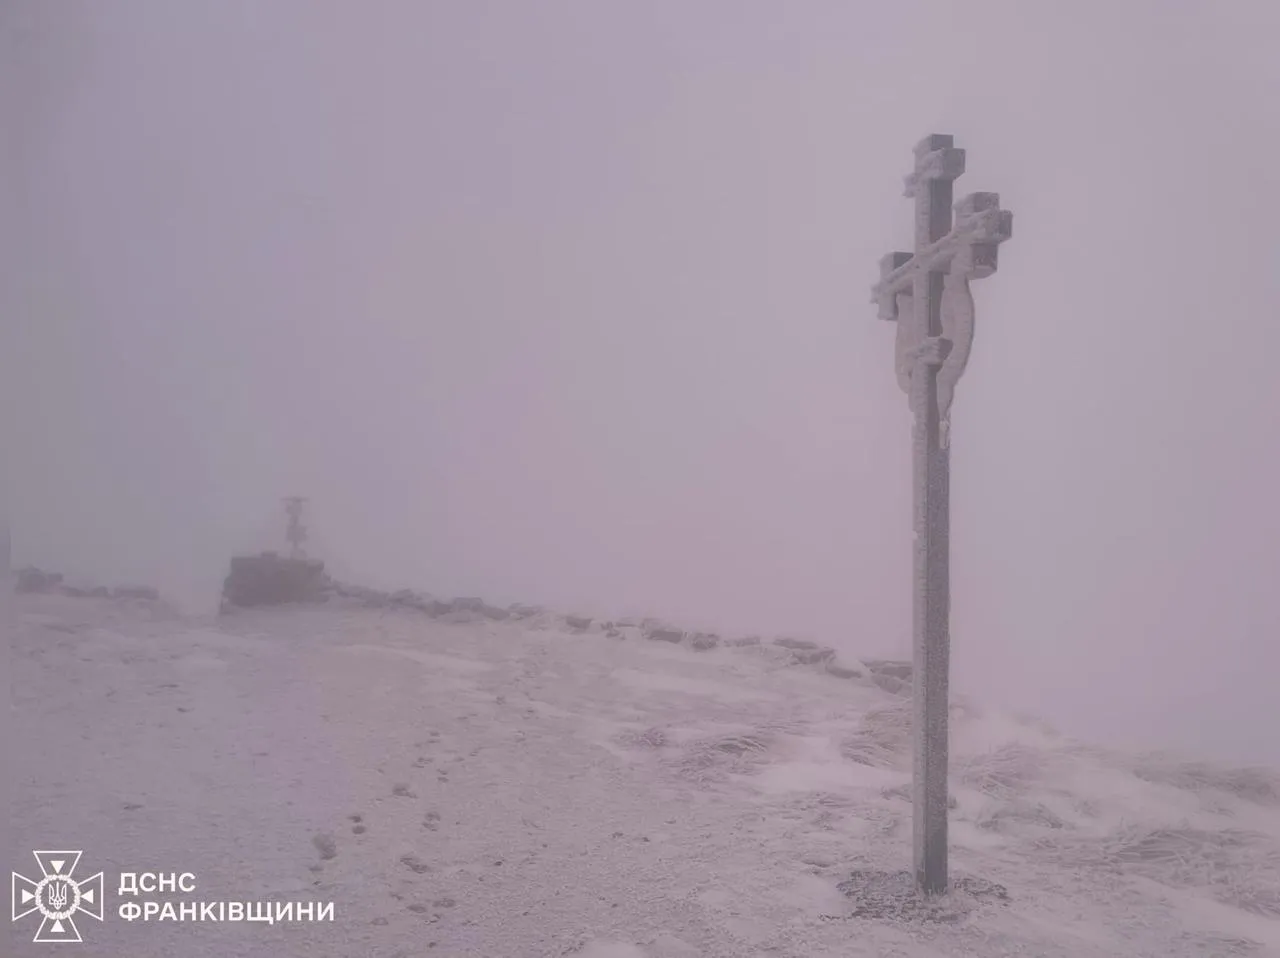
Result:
[{"x": 927, "y": 293}]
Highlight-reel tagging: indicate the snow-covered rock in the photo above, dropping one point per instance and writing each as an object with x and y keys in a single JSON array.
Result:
[{"x": 30, "y": 579}]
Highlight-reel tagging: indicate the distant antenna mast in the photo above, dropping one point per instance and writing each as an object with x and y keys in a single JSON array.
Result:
[{"x": 295, "y": 533}]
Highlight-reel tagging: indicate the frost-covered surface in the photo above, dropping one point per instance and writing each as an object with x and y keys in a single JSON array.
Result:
[{"x": 511, "y": 789}]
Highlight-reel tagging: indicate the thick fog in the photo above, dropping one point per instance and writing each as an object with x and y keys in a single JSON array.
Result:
[{"x": 567, "y": 302}]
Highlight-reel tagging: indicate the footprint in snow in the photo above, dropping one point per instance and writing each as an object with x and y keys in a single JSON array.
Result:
[
  {"x": 415, "y": 864},
  {"x": 326, "y": 845}
]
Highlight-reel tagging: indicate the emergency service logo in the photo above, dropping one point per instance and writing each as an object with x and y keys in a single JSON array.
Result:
[{"x": 57, "y": 896}]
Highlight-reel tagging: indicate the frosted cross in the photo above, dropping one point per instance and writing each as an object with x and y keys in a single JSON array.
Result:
[{"x": 927, "y": 293}]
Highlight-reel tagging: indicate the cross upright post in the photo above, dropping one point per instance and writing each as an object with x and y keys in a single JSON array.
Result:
[{"x": 927, "y": 293}]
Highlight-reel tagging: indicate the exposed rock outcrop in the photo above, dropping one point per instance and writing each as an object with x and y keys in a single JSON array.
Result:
[
  {"x": 703, "y": 641},
  {"x": 31, "y": 579},
  {"x": 664, "y": 635}
]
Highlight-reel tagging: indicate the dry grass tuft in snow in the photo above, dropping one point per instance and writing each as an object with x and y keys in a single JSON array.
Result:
[
  {"x": 648, "y": 738},
  {"x": 1239, "y": 868},
  {"x": 1017, "y": 815},
  {"x": 1218, "y": 946},
  {"x": 1004, "y": 772},
  {"x": 1258, "y": 785},
  {"x": 710, "y": 760},
  {"x": 883, "y": 737}
]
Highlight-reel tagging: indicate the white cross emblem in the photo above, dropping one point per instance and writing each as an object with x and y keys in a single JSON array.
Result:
[{"x": 57, "y": 896}]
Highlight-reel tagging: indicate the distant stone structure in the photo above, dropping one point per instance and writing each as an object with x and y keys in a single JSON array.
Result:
[
  {"x": 34, "y": 581},
  {"x": 272, "y": 579}
]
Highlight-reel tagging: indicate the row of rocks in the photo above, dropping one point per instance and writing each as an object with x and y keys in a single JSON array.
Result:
[
  {"x": 458, "y": 610},
  {"x": 799, "y": 651},
  {"x": 472, "y": 609},
  {"x": 270, "y": 579},
  {"x": 892, "y": 675},
  {"x": 34, "y": 581}
]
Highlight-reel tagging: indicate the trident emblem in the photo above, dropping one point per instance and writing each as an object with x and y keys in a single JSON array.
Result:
[{"x": 57, "y": 895}]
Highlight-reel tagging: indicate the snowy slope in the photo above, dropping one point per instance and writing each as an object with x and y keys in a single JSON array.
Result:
[{"x": 497, "y": 790}]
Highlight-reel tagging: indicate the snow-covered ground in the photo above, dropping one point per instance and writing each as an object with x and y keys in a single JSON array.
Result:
[{"x": 500, "y": 790}]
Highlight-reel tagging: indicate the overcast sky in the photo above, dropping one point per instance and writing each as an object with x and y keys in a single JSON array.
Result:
[{"x": 567, "y": 302}]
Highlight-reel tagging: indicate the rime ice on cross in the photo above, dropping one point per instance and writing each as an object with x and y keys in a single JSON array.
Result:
[{"x": 927, "y": 292}]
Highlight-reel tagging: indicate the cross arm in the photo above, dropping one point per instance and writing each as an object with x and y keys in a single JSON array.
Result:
[
  {"x": 981, "y": 226},
  {"x": 888, "y": 303}
]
